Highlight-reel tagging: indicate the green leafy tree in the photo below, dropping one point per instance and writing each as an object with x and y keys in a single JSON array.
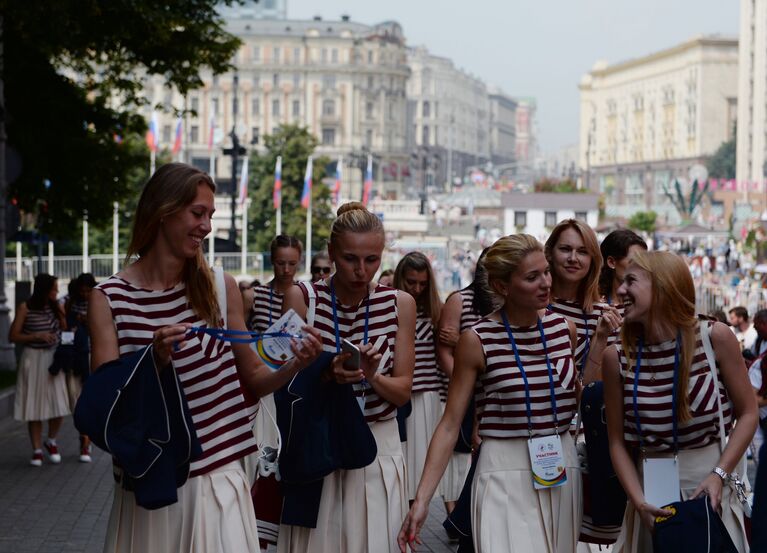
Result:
[
  {"x": 643, "y": 221},
  {"x": 558, "y": 186},
  {"x": 295, "y": 144},
  {"x": 68, "y": 64},
  {"x": 721, "y": 165}
]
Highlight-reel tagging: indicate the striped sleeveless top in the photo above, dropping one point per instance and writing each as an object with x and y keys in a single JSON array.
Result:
[
  {"x": 263, "y": 312},
  {"x": 585, "y": 323},
  {"x": 469, "y": 318},
  {"x": 654, "y": 393},
  {"x": 382, "y": 331},
  {"x": 500, "y": 393},
  {"x": 205, "y": 368},
  {"x": 426, "y": 376},
  {"x": 41, "y": 320}
]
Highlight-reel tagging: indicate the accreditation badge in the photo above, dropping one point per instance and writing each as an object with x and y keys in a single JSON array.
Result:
[
  {"x": 661, "y": 480},
  {"x": 547, "y": 462}
]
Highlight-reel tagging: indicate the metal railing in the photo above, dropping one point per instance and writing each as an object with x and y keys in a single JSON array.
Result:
[
  {"x": 67, "y": 267},
  {"x": 711, "y": 297}
]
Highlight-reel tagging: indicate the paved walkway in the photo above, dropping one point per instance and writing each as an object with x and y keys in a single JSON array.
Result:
[{"x": 65, "y": 507}]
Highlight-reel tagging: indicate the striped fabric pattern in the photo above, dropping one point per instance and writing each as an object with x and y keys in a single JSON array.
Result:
[
  {"x": 382, "y": 330},
  {"x": 468, "y": 319},
  {"x": 426, "y": 376},
  {"x": 654, "y": 398},
  {"x": 585, "y": 323},
  {"x": 205, "y": 367},
  {"x": 259, "y": 312},
  {"x": 40, "y": 320},
  {"x": 500, "y": 396}
]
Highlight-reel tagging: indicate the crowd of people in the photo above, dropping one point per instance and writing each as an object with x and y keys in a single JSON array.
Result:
[{"x": 476, "y": 399}]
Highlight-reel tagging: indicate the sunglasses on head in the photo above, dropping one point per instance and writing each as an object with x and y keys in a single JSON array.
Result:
[{"x": 325, "y": 270}]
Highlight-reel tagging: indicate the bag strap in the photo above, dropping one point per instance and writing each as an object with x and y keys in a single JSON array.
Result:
[
  {"x": 705, "y": 333},
  {"x": 221, "y": 293},
  {"x": 311, "y": 297}
]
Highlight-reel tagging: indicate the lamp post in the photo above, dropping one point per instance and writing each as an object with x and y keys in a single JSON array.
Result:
[{"x": 235, "y": 152}]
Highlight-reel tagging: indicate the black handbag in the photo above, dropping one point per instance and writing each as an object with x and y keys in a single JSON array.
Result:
[{"x": 694, "y": 527}]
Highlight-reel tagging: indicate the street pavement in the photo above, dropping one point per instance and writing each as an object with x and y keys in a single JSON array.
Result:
[{"x": 65, "y": 507}]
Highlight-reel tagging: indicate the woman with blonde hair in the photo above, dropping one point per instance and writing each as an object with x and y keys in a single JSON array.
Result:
[
  {"x": 522, "y": 366},
  {"x": 573, "y": 253},
  {"x": 664, "y": 400},
  {"x": 415, "y": 276},
  {"x": 153, "y": 302},
  {"x": 360, "y": 509}
]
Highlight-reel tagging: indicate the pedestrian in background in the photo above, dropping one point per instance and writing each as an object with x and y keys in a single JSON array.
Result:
[
  {"x": 415, "y": 276},
  {"x": 320, "y": 266},
  {"x": 40, "y": 395}
]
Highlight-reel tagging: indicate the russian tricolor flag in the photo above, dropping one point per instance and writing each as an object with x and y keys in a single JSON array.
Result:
[
  {"x": 277, "y": 193},
  {"x": 339, "y": 178},
  {"x": 177, "y": 141},
  {"x": 306, "y": 195},
  {"x": 368, "y": 181},
  {"x": 151, "y": 134}
]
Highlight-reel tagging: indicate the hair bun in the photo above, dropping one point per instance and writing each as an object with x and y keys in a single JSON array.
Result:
[{"x": 351, "y": 206}]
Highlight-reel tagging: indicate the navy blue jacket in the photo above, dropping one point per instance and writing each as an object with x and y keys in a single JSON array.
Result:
[
  {"x": 323, "y": 429},
  {"x": 141, "y": 418}
]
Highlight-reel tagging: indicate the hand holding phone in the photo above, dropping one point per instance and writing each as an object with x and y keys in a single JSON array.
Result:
[{"x": 354, "y": 361}]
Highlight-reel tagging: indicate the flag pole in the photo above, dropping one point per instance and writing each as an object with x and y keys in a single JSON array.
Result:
[
  {"x": 244, "y": 252},
  {"x": 309, "y": 235},
  {"x": 86, "y": 259},
  {"x": 151, "y": 162}
]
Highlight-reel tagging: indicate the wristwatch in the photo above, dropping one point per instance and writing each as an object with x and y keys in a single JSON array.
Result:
[{"x": 721, "y": 474}]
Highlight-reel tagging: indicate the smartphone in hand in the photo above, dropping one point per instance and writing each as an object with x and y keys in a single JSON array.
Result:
[{"x": 354, "y": 361}]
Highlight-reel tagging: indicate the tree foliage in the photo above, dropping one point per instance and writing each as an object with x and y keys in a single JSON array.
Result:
[
  {"x": 295, "y": 144},
  {"x": 721, "y": 165},
  {"x": 556, "y": 185},
  {"x": 68, "y": 64},
  {"x": 643, "y": 221}
]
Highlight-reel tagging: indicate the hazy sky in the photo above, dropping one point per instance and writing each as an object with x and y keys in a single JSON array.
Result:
[{"x": 538, "y": 48}]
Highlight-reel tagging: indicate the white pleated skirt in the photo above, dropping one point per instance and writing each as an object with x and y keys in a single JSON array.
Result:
[
  {"x": 214, "y": 512},
  {"x": 455, "y": 475},
  {"x": 423, "y": 420},
  {"x": 74, "y": 389},
  {"x": 40, "y": 395},
  {"x": 694, "y": 466},
  {"x": 510, "y": 516},
  {"x": 361, "y": 510}
]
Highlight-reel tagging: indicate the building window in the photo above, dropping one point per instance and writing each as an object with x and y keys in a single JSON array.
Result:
[
  {"x": 195, "y": 104},
  {"x": 256, "y": 53},
  {"x": 369, "y": 138},
  {"x": 296, "y": 55},
  {"x": 370, "y": 56},
  {"x": 370, "y": 81},
  {"x": 324, "y": 55},
  {"x": 203, "y": 164},
  {"x": 214, "y": 101},
  {"x": 275, "y": 107},
  {"x": 296, "y": 80},
  {"x": 520, "y": 219},
  {"x": 256, "y": 81},
  {"x": 166, "y": 133},
  {"x": 369, "y": 110},
  {"x": 276, "y": 54},
  {"x": 328, "y": 107},
  {"x": 551, "y": 219},
  {"x": 334, "y": 55},
  {"x": 276, "y": 79},
  {"x": 580, "y": 216},
  {"x": 256, "y": 106},
  {"x": 328, "y": 81},
  {"x": 426, "y": 109},
  {"x": 425, "y": 135},
  {"x": 328, "y": 137},
  {"x": 254, "y": 135},
  {"x": 296, "y": 108},
  {"x": 194, "y": 134}
]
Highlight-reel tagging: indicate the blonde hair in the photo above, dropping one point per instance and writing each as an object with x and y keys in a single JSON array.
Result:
[
  {"x": 505, "y": 256},
  {"x": 673, "y": 303},
  {"x": 354, "y": 217},
  {"x": 588, "y": 289},
  {"x": 173, "y": 187},
  {"x": 428, "y": 302}
]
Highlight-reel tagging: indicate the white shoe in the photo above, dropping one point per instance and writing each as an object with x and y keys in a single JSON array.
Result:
[
  {"x": 37, "y": 459},
  {"x": 53, "y": 452}
]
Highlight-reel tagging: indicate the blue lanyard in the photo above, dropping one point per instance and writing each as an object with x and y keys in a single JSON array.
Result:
[
  {"x": 238, "y": 336},
  {"x": 673, "y": 391},
  {"x": 528, "y": 403},
  {"x": 335, "y": 316}
]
